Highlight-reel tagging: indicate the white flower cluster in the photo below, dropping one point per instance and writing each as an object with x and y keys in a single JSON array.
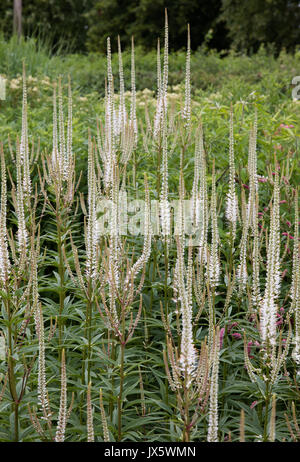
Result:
[
  {"x": 295, "y": 289},
  {"x": 232, "y": 202},
  {"x": 268, "y": 308},
  {"x": 186, "y": 114},
  {"x": 212, "y": 434},
  {"x": 213, "y": 264},
  {"x": 4, "y": 256},
  {"x": 62, "y": 157},
  {"x": 162, "y": 85}
]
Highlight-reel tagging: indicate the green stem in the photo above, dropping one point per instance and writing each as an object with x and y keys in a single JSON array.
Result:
[
  {"x": 166, "y": 279},
  {"x": 231, "y": 241},
  {"x": 11, "y": 372},
  {"x": 152, "y": 277},
  {"x": 267, "y": 401},
  {"x": 62, "y": 281},
  {"x": 213, "y": 304},
  {"x": 121, "y": 377},
  {"x": 186, "y": 433},
  {"x": 89, "y": 329},
  {"x": 16, "y": 406},
  {"x": 158, "y": 177},
  {"x": 225, "y": 333},
  {"x": 166, "y": 306},
  {"x": 266, "y": 419},
  {"x": 113, "y": 357}
]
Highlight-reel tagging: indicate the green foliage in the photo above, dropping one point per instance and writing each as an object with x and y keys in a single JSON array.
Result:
[{"x": 235, "y": 73}]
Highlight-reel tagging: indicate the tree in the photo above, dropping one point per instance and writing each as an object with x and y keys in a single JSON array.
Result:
[
  {"x": 145, "y": 20},
  {"x": 253, "y": 22},
  {"x": 57, "y": 21},
  {"x": 17, "y": 25}
]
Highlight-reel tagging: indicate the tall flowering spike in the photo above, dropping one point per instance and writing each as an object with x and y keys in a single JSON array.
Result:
[
  {"x": 159, "y": 101},
  {"x": 158, "y": 65},
  {"x": 295, "y": 289},
  {"x": 202, "y": 215},
  {"x": 91, "y": 237},
  {"x": 106, "y": 152},
  {"x": 179, "y": 231},
  {"x": 24, "y": 139},
  {"x": 166, "y": 60},
  {"x": 187, "y": 103},
  {"x": 202, "y": 377},
  {"x": 24, "y": 148},
  {"x": 189, "y": 274},
  {"x": 199, "y": 182},
  {"x": 62, "y": 416},
  {"x": 276, "y": 236},
  {"x": 252, "y": 170},
  {"x": 164, "y": 200},
  {"x": 122, "y": 108},
  {"x": 162, "y": 83},
  {"x": 214, "y": 268},
  {"x": 56, "y": 161},
  {"x": 256, "y": 296},
  {"x": 127, "y": 145},
  {"x": 39, "y": 327},
  {"x": 109, "y": 124},
  {"x": 242, "y": 274},
  {"x": 181, "y": 216},
  {"x": 103, "y": 419},
  {"x": 22, "y": 232},
  {"x": 42, "y": 387},
  {"x": 4, "y": 256},
  {"x": 296, "y": 253},
  {"x": 232, "y": 202},
  {"x": 89, "y": 420},
  {"x": 268, "y": 308},
  {"x": 195, "y": 188},
  {"x": 62, "y": 143},
  {"x": 187, "y": 350},
  {"x": 268, "y": 314},
  {"x": 114, "y": 225},
  {"x": 69, "y": 155},
  {"x": 133, "y": 119},
  {"x": 212, "y": 435},
  {"x": 114, "y": 245}
]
